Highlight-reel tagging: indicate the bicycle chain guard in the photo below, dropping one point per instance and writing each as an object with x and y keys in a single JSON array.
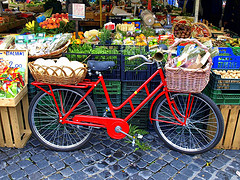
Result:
[
  {"x": 109, "y": 123},
  {"x": 111, "y": 129}
]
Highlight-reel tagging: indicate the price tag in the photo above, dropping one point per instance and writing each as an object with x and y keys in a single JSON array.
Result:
[{"x": 78, "y": 10}]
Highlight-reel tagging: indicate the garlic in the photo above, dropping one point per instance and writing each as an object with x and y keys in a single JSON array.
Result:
[
  {"x": 62, "y": 61},
  {"x": 67, "y": 70},
  {"x": 77, "y": 66},
  {"x": 50, "y": 63},
  {"x": 39, "y": 61}
]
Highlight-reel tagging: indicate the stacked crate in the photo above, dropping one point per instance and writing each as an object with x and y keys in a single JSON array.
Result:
[
  {"x": 142, "y": 117},
  {"x": 114, "y": 91},
  {"x": 132, "y": 79},
  {"x": 225, "y": 93},
  {"x": 224, "y": 90}
]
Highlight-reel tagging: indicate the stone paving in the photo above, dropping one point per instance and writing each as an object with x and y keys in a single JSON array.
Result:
[{"x": 105, "y": 158}]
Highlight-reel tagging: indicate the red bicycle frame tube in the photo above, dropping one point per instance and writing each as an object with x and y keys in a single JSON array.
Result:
[{"x": 112, "y": 108}]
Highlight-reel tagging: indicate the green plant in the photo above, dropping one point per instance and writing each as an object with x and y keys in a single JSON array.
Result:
[
  {"x": 105, "y": 35},
  {"x": 148, "y": 31},
  {"x": 135, "y": 131}
]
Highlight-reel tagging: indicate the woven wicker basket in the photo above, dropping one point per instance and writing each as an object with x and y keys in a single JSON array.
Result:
[
  {"x": 200, "y": 30},
  {"x": 54, "y": 54},
  {"x": 57, "y": 75},
  {"x": 186, "y": 23},
  {"x": 187, "y": 80}
]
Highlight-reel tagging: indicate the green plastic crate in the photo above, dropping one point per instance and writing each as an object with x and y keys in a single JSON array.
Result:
[
  {"x": 100, "y": 98},
  {"x": 221, "y": 97},
  {"x": 141, "y": 119},
  {"x": 128, "y": 88},
  {"x": 101, "y": 109},
  {"x": 113, "y": 87},
  {"x": 218, "y": 83},
  {"x": 101, "y": 103}
]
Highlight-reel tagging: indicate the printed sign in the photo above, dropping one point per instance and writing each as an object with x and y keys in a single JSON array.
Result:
[
  {"x": 13, "y": 72},
  {"x": 78, "y": 10}
]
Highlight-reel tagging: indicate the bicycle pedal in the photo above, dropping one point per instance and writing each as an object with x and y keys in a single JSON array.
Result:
[
  {"x": 133, "y": 141},
  {"x": 118, "y": 129}
]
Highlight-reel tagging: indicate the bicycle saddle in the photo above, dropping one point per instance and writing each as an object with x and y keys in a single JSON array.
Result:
[{"x": 100, "y": 65}]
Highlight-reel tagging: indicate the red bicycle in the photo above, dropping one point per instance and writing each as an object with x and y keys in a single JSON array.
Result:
[{"x": 63, "y": 117}]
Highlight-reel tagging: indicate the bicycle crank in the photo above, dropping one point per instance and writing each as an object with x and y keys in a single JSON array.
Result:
[{"x": 116, "y": 128}]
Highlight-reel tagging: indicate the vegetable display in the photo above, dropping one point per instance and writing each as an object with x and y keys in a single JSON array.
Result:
[
  {"x": 182, "y": 29},
  {"x": 81, "y": 52},
  {"x": 54, "y": 21},
  {"x": 38, "y": 44},
  {"x": 228, "y": 74},
  {"x": 234, "y": 42},
  {"x": 219, "y": 43},
  {"x": 200, "y": 30}
]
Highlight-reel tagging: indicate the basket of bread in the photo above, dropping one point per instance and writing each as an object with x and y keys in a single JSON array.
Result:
[{"x": 58, "y": 71}]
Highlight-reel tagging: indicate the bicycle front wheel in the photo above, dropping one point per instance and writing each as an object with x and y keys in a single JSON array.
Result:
[
  {"x": 203, "y": 129},
  {"x": 44, "y": 119}
]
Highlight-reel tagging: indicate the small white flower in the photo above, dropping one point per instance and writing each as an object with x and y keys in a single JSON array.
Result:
[{"x": 140, "y": 136}]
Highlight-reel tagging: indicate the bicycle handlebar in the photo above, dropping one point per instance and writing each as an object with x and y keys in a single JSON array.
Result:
[{"x": 139, "y": 56}]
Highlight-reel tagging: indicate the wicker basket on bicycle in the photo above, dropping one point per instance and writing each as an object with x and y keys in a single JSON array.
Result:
[
  {"x": 56, "y": 74},
  {"x": 187, "y": 80}
]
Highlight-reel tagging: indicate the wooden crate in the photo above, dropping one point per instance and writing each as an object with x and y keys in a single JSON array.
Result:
[
  {"x": 97, "y": 16},
  {"x": 89, "y": 15},
  {"x": 14, "y": 127},
  {"x": 231, "y": 116},
  {"x": 39, "y": 8}
]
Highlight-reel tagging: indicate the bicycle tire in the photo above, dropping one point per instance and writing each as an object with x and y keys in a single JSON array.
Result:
[
  {"x": 44, "y": 119},
  {"x": 203, "y": 130}
]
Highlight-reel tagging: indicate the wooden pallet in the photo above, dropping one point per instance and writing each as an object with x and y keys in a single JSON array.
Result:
[{"x": 231, "y": 116}]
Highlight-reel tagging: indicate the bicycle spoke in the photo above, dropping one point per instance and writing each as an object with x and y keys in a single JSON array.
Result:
[
  {"x": 201, "y": 128},
  {"x": 45, "y": 119}
]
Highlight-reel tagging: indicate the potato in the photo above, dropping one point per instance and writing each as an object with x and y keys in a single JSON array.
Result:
[{"x": 229, "y": 74}]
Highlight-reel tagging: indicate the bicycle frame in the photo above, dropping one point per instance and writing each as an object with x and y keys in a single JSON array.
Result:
[{"x": 104, "y": 121}]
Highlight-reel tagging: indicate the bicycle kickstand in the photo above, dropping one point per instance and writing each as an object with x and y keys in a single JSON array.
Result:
[{"x": 118, "y": 129}]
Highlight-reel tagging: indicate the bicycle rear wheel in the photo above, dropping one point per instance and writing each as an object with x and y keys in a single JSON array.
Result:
[
  {"x": 44, "y": 119},
  {"x": 203, "y": 129}
]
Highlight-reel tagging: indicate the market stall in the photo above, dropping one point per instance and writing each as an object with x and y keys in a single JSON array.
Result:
[{"x": 52, "y": 38}]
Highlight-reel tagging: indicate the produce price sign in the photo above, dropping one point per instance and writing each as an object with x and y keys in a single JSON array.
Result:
[
  {"x": 13, "y": 72},
  {"x": 78, "y": 10}
]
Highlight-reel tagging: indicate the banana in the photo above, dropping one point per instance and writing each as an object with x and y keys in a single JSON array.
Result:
[{"x": 30, "y": 25}]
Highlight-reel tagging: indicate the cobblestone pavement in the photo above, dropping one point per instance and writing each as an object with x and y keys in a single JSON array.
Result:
[{"x": 105, "y": 158}]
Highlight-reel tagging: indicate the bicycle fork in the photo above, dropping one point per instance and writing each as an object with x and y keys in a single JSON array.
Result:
[{"x": 174, "y": 109}]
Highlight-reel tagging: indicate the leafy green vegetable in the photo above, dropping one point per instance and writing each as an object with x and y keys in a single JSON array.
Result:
[
  {"x": 81, "y": 52},
  {"x": 131, "y": 51},
  {"x": 105, "y": 35}
]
